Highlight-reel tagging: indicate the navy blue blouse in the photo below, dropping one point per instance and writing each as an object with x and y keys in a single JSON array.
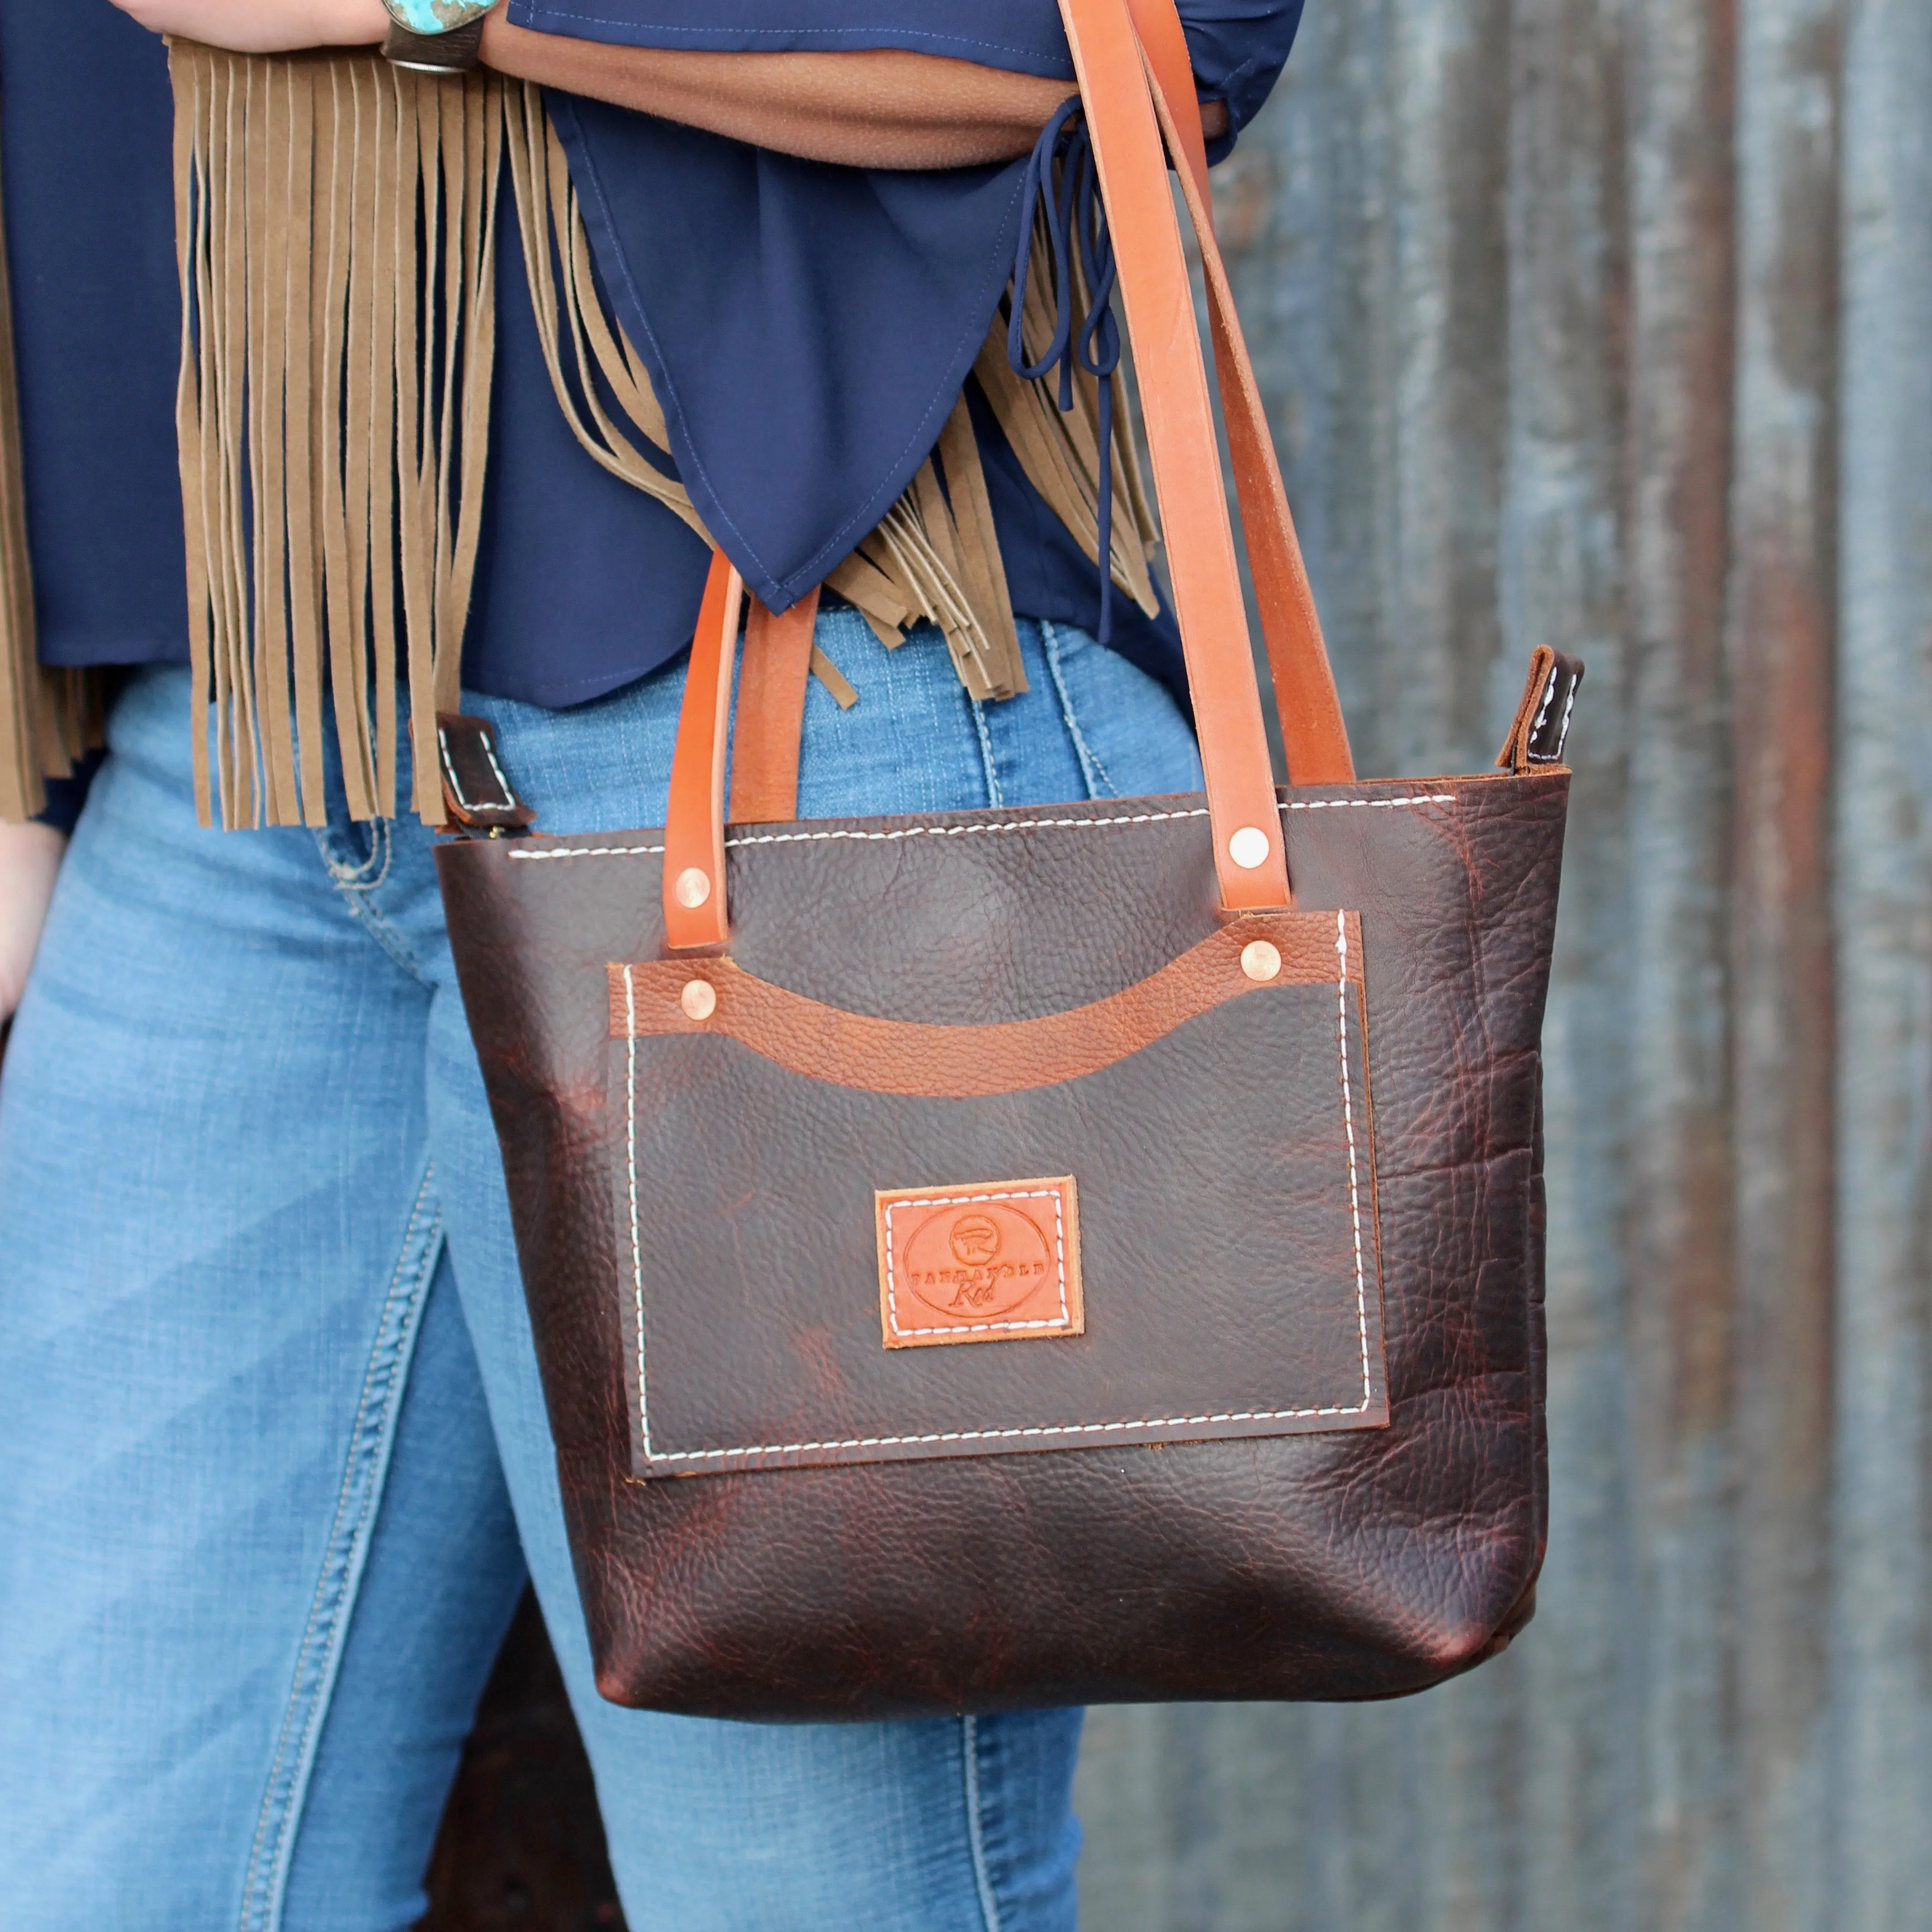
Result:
[{"x": 826, "y": 316}]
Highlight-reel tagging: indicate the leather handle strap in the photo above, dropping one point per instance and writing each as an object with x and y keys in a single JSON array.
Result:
[
  {"x": 1249, "y": 862},
  {"x": 772, "y": 674},
  {"x": 1313, "y": 733},
  {"x": 1132, "y": 95},
  {"x": 1164, "y": 41},
  {"x": 764, "y": 784},
  {"x": 694, "y": 912}
]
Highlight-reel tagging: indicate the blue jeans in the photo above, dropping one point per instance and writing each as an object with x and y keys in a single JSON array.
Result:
[{"x": 274, "y": 1460}]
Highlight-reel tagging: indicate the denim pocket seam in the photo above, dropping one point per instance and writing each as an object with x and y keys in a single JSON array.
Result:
[
  {"x": 996, "y": 797},
  {"x": 1091, "y": 764},
  {"x": 976, "y": 1823},
  {"x": 333, "y": 1602},
  {"x": 354, "y": 878}
]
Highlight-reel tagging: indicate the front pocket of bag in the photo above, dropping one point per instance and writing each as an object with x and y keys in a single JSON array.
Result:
[{"x": 1155, "y": 1217}]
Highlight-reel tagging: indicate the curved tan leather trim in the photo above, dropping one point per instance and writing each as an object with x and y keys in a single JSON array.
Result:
[{"x": 880, "y": 1056}]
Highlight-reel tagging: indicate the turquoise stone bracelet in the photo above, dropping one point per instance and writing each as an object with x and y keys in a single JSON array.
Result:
[{"x": 429, "y": 17}]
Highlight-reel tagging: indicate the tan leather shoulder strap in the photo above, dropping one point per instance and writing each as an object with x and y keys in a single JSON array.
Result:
[
  {"x": 772, "y": 680},
  {"x": 694, "y": 860},
  {"x": 1164, "y": 41},
  {"x": 1313, "y": 733},
  {"x": 1132, "y": 98},
  {"x": 1248, "y": 855}
]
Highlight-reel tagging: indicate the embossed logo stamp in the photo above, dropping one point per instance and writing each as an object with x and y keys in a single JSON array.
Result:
[{"x": 995, "y": 1262}]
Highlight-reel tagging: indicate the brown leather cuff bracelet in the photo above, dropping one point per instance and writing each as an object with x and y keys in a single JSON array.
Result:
[{"x": 455, "y": 51}]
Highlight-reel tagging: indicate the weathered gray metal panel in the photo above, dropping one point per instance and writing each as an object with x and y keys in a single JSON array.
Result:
[
  {"x": 1782, "y": 647},
  {"x": 1883, "y": 910},
  {"x": 1608, "y": 323}
]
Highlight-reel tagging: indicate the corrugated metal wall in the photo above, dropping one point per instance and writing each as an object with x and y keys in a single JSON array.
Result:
[{"x": 1609, "y": 323}]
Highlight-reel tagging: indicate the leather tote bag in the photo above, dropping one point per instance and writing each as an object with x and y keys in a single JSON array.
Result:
[{"x": 1043, "y": 1256}]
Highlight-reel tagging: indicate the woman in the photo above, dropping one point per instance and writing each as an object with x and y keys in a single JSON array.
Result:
[{"x": 278, "y": 1459}]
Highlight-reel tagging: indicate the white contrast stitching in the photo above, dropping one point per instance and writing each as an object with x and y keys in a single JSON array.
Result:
[
  {"x": 594, "y": 852},
  {"x": 637, "y": 1244},
  {"x": 456, "y": 783},
  {"x": 1543, "y": 709},
  {"x": 1554, "y": 755},
  {"x": 993, "y": 1435},
  {"x": 967, "y": 1200},
  {"x": 1373, "y": 804},
  {"x": 1348, "y": 1128},
  {"x": 1041, "y": 1431},
  {"x": 497, "y": 771},
  {"x": 960, "y": 831}
]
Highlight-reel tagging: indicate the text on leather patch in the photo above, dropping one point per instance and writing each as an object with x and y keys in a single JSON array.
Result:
[{"x": 998, "y": 1262}]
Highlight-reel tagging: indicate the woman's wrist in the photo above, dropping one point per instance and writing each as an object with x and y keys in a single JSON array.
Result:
[
  {"x": 264, "y": 26},
  {"x": 356, "y": 23},
  {"x": 351, "y": 23},
  {"x": 874, "y": 108}
]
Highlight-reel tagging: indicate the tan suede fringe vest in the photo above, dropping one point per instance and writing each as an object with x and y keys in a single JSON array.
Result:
[
  {"x": 48, "y": 718},
  {"x": 335, "y": 227}
]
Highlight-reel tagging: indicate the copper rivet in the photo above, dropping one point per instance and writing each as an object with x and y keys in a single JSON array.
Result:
[
  {"x": 693, "y": 886},
  {"x": 699, "y": 999},
  {"x": 1249, "y": 847},
  {"x": 1261, "y": 960}
]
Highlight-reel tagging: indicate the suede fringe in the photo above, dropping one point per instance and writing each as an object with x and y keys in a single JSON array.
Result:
[
  {"x": 336, "y": 231},
  {"x": 49, "y": 719},
  {"x": 335, "y": 228},
  {"x": 933, "y": 556}
]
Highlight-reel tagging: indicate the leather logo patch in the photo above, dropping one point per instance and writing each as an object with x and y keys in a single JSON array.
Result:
[{"x": 999, "y": 1262}]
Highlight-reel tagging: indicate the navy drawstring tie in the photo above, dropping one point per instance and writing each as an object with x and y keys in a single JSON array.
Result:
[{"x": 1073, "y": 208}]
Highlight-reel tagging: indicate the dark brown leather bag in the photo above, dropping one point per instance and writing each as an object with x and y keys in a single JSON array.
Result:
[{"x": 1032, "y": 1257}]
